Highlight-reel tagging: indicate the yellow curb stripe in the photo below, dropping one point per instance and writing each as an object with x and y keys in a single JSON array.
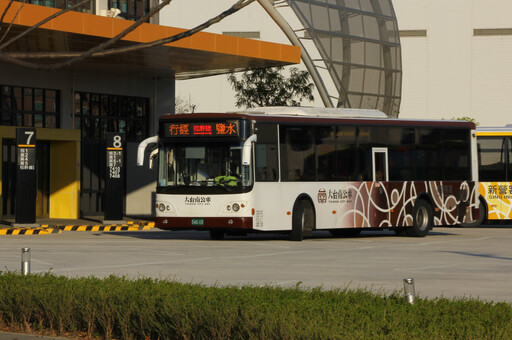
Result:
[
  {"x": 29, "y": 231},
  {"x": 46, "y": 229}
]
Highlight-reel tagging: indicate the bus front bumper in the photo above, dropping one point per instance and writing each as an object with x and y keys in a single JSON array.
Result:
[{"x": 203, "y": 223}]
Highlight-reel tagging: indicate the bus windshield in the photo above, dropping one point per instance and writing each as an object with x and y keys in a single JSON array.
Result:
[{"x": 208, "y": 164}]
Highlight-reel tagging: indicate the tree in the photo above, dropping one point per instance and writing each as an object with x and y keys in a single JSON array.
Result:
[
  {"x": 467, "y": 119},
  {"x": 268, "y": 87},
  {"x": 184, "y": 105},
  {"x": 68, "y": 58}
]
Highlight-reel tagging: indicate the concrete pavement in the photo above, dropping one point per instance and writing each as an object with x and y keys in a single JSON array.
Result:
[{"x": 450, "y": 262}]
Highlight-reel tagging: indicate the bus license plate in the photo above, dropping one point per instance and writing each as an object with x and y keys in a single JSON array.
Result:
[{"x": 197, "y": 221}]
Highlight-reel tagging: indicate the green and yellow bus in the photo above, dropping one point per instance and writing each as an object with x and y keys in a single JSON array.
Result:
[{"x": 494, "y": 148}]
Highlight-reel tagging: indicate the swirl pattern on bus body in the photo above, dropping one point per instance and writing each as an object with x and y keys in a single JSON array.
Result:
[{"x": 384, "y": 204}]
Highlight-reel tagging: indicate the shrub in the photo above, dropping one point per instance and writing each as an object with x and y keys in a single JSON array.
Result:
[{"x": 144, "y": 308}]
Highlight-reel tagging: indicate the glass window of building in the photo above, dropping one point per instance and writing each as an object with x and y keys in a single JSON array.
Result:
[
  {"x": 29, "y": 107},
  {"x": 95, "y": 115}
]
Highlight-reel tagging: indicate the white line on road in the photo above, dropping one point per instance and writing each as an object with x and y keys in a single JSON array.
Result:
[
  {"x": 450, "y": 241},
  {"x": 283, "y": 283},
  {"x": 170, "y": 262},
  {"x": 423, "y": 268}
]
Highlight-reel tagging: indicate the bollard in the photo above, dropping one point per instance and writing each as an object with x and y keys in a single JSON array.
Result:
[
  {"x": 410, "y": 295},
  {"x": 25, "y": 261}
]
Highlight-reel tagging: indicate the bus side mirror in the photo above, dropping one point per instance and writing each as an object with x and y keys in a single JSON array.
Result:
[
  {"x": 246, "y": 150},
  {"x": 142, "y": 148}
]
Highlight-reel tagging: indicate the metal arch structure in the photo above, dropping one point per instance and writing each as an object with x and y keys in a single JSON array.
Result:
[{"x": 359, "y": 46}]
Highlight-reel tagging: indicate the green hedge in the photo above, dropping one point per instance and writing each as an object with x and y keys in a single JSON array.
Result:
[{"x": 117, "y": 307}]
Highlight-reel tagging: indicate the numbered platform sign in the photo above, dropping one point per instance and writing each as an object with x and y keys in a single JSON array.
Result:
[
  {"x": 26, "y": 175},
  {"x": 114, "y": 176}
]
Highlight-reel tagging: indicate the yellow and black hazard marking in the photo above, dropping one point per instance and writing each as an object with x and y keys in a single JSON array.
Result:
[
  {"x": 30, "y": 231},
  {"x": 49, "y": 229},
  {"x": 129, "y": 226}
]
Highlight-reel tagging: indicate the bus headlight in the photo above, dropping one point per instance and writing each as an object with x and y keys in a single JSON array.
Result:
[
  {"x": 234, "y": 207},
  {"x": 161, "y": 207}
]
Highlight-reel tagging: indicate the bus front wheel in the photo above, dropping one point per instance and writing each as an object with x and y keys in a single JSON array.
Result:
[
  {"x": 422, "y": 219},
  {"x": 303, "y": 220}
]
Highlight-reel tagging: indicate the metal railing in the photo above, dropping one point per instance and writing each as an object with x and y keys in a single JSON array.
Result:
[
  {"x": 129, "y": 9},
  {"x": 63, "y": 4}
]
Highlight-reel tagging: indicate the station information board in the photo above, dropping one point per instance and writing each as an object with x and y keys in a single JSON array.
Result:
[
  {"x": 26, "y": 175},
  {"x": 115, "y": 176}
]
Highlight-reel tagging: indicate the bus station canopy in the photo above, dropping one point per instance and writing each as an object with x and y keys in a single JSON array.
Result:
[{"x": 200, "y": 55}]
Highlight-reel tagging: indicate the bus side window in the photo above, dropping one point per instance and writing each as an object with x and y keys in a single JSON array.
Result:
[
  {"x": 345, "y": 153},
  {"x": 492, "y": 165},
  {"x": 325, "y": 153},
  {"x": 455, "y": 156},
  {"x": 297, "y": 153},
  {"x": 266, "y": 162}
]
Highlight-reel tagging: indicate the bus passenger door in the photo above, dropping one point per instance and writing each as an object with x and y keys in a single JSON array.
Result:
[{"x": 380, "y": 164}]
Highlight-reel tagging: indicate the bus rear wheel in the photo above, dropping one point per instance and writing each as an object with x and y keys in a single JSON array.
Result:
[
  {"x": 303, "y": 220},
  {"x": 481, "y": 219},
  {"x": 422, "y": 219}
]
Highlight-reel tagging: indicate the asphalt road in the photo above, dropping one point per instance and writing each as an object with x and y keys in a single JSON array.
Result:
[{"x": 449, "y": 262}]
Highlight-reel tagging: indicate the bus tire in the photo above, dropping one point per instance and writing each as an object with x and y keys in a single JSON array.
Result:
[
  {"x": 217, "y": 235},
  {"x": 422, "y": 219},
  {"x": 351, "y": 232},
  {"x": 303, "y": 220},
  {"x": 481, "y": 219}
]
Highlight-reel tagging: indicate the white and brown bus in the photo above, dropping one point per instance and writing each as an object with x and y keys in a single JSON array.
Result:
[{"x": 297, "y": 170}]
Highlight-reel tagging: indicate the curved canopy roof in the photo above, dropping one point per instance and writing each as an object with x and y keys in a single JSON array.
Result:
[{"x": 359, "y": 45}]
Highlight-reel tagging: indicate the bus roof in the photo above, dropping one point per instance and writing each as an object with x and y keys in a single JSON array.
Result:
[
  {"x": 316, "y": 112},
  {"x": 303, "y": 114},
  {"x": 494, "y": 130}
]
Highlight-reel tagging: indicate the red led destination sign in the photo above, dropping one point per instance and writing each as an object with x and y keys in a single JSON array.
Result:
[{"x": 219, "y": 129}]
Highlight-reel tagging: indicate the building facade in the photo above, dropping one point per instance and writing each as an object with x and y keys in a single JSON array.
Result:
[{"x": 456, "y": 59}]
